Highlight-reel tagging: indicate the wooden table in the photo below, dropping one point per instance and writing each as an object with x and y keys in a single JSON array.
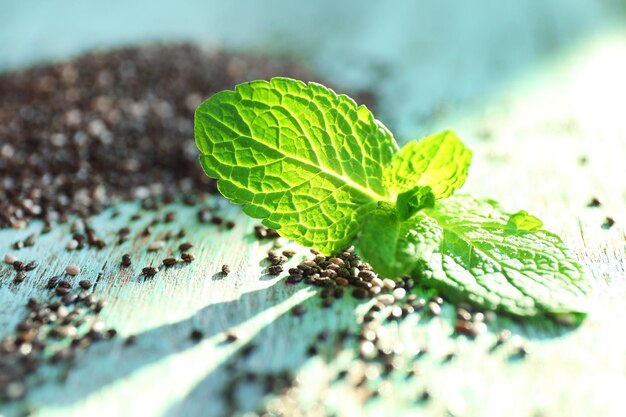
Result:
[{"x": 529, "y": 136}]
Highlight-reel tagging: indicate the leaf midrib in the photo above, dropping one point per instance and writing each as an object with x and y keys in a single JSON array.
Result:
[
  {"x": 366, "y": 191},
  {"x": 473, "y": 244}
]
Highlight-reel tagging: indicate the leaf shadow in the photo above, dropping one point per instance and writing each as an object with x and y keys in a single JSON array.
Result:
[
  {"x": 237, "y": 386},
  {"x": 275, "y": 349},
  {"x": 109, "y": 362}
]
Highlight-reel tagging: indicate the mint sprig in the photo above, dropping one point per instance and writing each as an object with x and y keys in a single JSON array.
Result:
[{"x": 323, "y": 172}]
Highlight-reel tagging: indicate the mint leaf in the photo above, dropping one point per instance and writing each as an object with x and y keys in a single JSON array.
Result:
[
  {"x": 392, "y": 246},
  {"x": 410, "y": 202},
  {"x": 440, "y": 161},
  {"x": 307, "y": 161},
  {"x": 321, "y": 170},
  {"x": 524, "y": 222},
  {"x": 484, "y": 260}
]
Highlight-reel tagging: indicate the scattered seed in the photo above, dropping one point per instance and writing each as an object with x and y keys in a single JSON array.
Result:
[
  {"x": 275, "y": 270},
  {"x": 196, "y": 335},
  {"x": 156, "y": 245},
  {"x": 608, "y": 223},
  {"x": 130, "y": 340},
  {"x": 62, "y": 291},
  {"x": 299, "y": 310},
  {"x": 465, "y": 327},
  {"x": 187, "y": 257},
  {"x": 149, "y": 271},
  {"x": 594, "y": 203},
  {"x": 85, "y": 284},
  {"x": 377, "y": 282},
  {"x": 337, "y": 261},
  {"x": 367, "y": 350},
  {"x": 463, "y": 314},
  {"x": 72, "y": 270},
  {"x": 32, "y": 303},
  {"x": 30, "y": 266},
  {"x": 10, "y": 259},
  {"x": 503, "y": 336},
  {"x": 342, "y": 282},
  {"x": 183, "y": 247},
  {"x": 370, "y": 277},
  {"x": 386, "y": 299},
  {"x": 19, "y": 277},
  {"x": 434, "y": 308},
  {"x": 389, "y": 284},
  {"x": 399, "y": 293},
  {"x": 53, "y": 282},
  {"x": 520, "y": 352},
  {"x": 169, "y": 262},
  {"x": 30, "y": 240}
]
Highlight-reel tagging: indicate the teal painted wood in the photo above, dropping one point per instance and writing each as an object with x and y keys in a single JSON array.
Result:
[
  {"x": 529, "y": 159},
  {"x": 528, "y": 134}
]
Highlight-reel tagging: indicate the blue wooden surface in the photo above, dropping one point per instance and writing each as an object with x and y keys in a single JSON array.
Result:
[{"x": 530, "y": 86}]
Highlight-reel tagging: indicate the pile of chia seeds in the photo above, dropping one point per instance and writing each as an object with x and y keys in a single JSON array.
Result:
[{"x": 79, "y": 136}]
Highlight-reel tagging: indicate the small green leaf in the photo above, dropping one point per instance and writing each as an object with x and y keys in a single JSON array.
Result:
[
  {"x": 523, "y": 221},
  {"x": 307, "y": 161},
  {"x": 482, "y": 261},
  {"x": 392, "y": 246},
  {"x": 410, "y": 202},
  {"x": 440, "y": 161}
]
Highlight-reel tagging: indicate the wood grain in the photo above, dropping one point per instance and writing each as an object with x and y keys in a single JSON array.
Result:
[{"x": 527, "y": 140}]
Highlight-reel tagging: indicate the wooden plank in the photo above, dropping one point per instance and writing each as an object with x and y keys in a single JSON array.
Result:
[{"x": 527, "y": 145}]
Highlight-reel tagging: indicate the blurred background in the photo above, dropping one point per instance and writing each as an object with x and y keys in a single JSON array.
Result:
[
  {"x": 427, "y": 61},
  {"x": 512, "y": 76}
]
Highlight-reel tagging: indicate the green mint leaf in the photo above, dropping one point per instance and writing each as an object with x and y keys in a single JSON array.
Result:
[
  {"x": 484, "y": 260},
  {"x": 393, "y": 246},
  {"x": 307, "y": 161},
  {"x": 523, "y": 221},
  {"x": 322, "y": 170},
  {"x": 440, "y": 161},
  {"x": 410, "y": 202}
]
